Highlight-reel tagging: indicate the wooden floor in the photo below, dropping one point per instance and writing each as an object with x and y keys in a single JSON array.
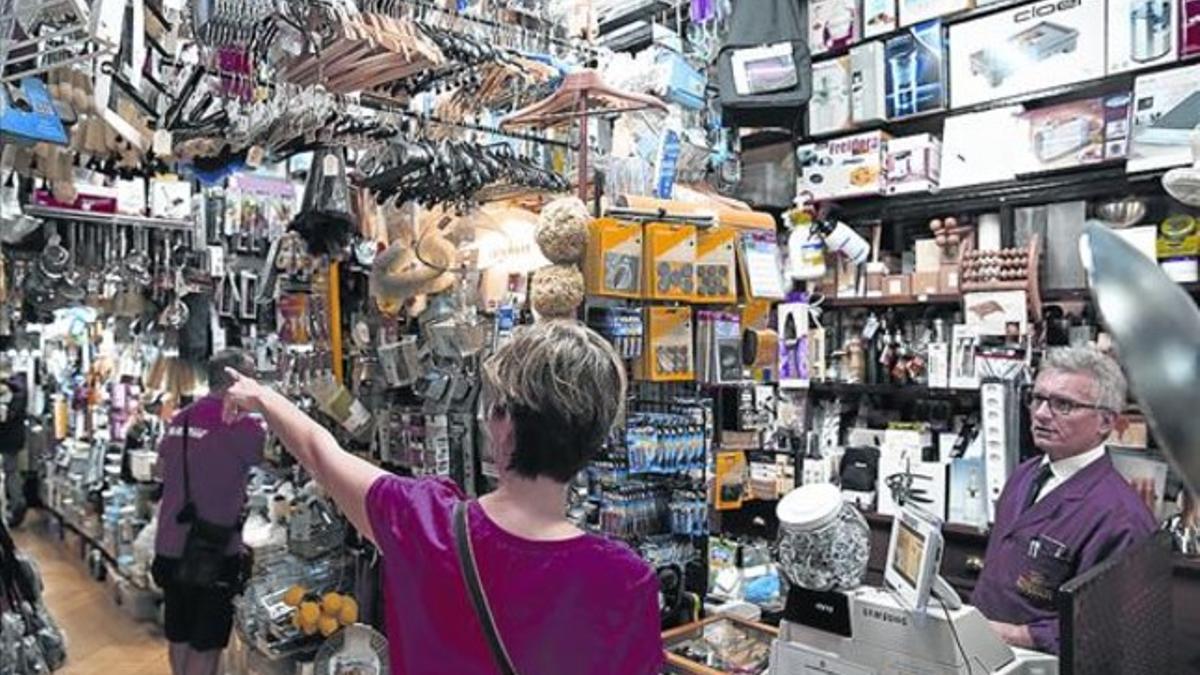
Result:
[{"x": 102, "y": 639}]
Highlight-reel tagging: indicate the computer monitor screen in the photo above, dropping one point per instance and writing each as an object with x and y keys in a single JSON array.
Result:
[
  {"x": 914, "y": 555},
  {"x": 910, "y": 549}
]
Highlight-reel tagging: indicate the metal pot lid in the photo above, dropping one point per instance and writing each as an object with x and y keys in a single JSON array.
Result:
[{"x": 1156, "y": 327}]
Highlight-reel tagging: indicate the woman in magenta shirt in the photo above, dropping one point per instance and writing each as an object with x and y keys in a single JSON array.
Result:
[{"x": 563, "y": 601}]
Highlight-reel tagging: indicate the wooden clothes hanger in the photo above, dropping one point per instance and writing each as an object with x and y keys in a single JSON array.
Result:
[{"x": 576, "y": 97}]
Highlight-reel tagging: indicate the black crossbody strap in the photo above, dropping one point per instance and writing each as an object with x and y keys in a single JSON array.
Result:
[
  {"x": 187, "y": 486},
  {"x": 466, "y": 561}
]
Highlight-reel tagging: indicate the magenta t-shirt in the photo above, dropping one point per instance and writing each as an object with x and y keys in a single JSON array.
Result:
[
  {"x": 219, "y": 458},
  {"x": 583, "y": 606}
]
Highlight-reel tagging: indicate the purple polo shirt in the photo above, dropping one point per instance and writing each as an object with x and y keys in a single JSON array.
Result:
[
  {"x": 219, "y": 459},
  {"x": 1091, "y": 517},
  {"x": 585, "y": 605}
]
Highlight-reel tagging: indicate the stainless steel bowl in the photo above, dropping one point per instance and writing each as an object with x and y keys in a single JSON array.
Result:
[{"x": 1120, "y": 213}]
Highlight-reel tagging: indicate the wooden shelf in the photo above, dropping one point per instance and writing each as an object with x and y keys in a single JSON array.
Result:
[
  {"x": 1084, "y": 183},
  {"x": 908, "y": 391},
  {"x": 932, "y": 300}
]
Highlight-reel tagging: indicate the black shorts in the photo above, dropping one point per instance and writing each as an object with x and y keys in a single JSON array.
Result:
[{"x": 199, "y": 616}]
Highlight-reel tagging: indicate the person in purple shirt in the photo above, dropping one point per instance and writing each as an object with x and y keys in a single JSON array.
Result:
[
  {"x": 198, "y": 620},
  {"x": 1064, "y": 512},
  {"x": 563, "y": 601}
]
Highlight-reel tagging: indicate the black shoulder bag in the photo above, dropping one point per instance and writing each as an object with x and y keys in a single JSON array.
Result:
[
  {"x": 466, "y": 562},
  {"x": 203, "y": 562}
]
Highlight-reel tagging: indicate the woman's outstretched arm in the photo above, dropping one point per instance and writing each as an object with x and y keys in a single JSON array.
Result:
[{"x": 345, "y": 477}]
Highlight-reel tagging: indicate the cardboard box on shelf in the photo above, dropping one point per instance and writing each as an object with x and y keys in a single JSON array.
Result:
[
  {"x": 829, "y": 107},
  {"x": 1027, "y": 48},
  {"x": 913, "y": 164},
  {"x": 915, "y": 11},
  {"x": 1074, "y": 134},
  {"x": 1141, "y": 34},
  {"x": 879, "y": 17},
  {"x": 976, "y": 146},
  {"x": 916, "y": 70},
  {"x": 1166, "y": 109},
  {"x": 832, "y": 24},
  {"x": 848, "y": 166},
  {"x": 868, "y": 86},
  {"x": 948, "y": 278},
  {"x": 926, "y": 283},
  {"x": 897, "y": 284},
  {"x": 927, "y": 255}
]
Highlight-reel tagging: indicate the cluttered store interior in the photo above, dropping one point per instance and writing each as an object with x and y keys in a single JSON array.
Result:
[{"x": 771, "y": 337}]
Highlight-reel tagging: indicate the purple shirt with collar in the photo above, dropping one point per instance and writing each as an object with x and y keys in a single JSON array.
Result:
[
  {"x": 219, "y": 458},
  {"x": 585, "y": 606},
  {"x": 1089, "y": 518}
]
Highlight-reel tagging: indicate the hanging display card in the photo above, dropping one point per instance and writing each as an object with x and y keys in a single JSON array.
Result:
[{"x": 762, "y": 274}]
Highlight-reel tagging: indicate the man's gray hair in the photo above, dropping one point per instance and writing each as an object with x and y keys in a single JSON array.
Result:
[
  {"x": 237, "y": 359},
  {"x": 1111, "y": 386},
  {"x": 562, "y": 369}
]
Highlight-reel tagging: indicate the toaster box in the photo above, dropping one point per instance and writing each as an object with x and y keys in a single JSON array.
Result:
[
  {"x": 879, "y": 17},
  {"x": 829, "y": 106},
  {"x": 1142, "y": 33},
  {"x": 868, "y": 83},
  {"x": 916, "y": 11},
  {"x": 1028, "y": 48},
  {"x": 1189, "y": 28},
  {"x": 913, "y": 164},
  {"x": 832, "y": 24},
  {"x": 1073, "y": 134},
  {"x": 849, "y": 166},
  {"x": 1166, "y": 107},
  {"x": 916, "y": 70}
]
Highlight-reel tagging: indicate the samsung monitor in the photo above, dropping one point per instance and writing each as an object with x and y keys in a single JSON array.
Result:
[{"x": 914, "y": 558}]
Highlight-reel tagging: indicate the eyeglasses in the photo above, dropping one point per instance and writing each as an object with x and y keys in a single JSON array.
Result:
[{"x": 1060, "y": 407}]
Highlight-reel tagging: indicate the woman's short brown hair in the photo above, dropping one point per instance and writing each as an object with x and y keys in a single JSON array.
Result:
[{"x": 563, "y": 386}]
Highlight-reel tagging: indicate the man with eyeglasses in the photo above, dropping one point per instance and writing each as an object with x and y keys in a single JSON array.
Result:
[{"x": 1066, "y": 511}]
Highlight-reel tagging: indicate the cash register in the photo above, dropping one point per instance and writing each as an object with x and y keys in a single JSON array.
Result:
[{"x": 915, "y": 624}]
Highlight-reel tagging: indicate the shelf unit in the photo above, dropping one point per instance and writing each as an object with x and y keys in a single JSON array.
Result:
[
  {"x": 922, "y": 300},
  {"x": 828, "y": 389},
  {"x": 72, "y": 215},
  {"x": 1083, "y": 183}
]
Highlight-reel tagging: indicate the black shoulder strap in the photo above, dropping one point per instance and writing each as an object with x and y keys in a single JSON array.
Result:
[
  {"x": 466, "y": 561},
  {"x": 188, "y": 513}
]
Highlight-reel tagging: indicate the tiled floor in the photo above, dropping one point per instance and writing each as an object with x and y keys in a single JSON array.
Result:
[{"x": 102, "y": 639}]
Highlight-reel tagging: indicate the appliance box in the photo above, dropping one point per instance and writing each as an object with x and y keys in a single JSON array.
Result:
[
  {"x": 916, "y": 70},
  {"x": 832, "y": 24},
  {"x": 1028, "y": 48},
  {"x": 829, "y": 107},
  {"x": 879, "y": 17},
  {"x": 916, "y": 11},
  {"x": 849, "y": 166},
  {"x": 1141, "y": 33},
  {"x": 1189, "y": 28},
  {"x": 913, "y": 164},
  {"x": 1073, "y": 134},
  {"x": 1166, "y": 107},
  {"x": 868, "y": 88},
  {"x": 977, "y": 147}
]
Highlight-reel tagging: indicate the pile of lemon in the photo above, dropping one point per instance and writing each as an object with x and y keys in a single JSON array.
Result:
[{"x": 324, "y": 615}]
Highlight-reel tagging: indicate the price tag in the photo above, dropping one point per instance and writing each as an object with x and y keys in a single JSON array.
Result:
[
  {"x": 162, "y": 143},
  {"x": 254, "y": 156}
]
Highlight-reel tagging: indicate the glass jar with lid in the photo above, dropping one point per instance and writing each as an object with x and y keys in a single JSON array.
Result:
[{"x": 823, "y": 542}]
